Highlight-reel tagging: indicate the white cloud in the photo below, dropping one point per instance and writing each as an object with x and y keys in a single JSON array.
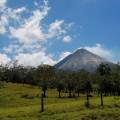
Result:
[
  {"x": 11, "y": 48},
  {"x": 7, "y": 15},
  {"x": 7, "y": 49},
  {"x": 3, "y": 23},
  {"x": 98, "y": 49},
  {"x": 20, "y": 10},
  {"x": 2, "y": 3},
  {"x": 67, "y": 39},
  {"x": 4, "y": 59},
  {"x": 2, "y": 28},
  {"x": 63, "y": 55},
  {"x": 30, "y": 33},
  {"x": 34, "y": 59},
  {"x": 55, "y": 29},
  {"x": 33, "y": 30}
]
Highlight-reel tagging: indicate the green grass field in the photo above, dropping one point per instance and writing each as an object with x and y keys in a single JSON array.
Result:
[{"x": 18, "y": 102}]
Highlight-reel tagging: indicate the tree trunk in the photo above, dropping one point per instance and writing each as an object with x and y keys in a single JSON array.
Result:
[
  {"x": 44, "y": 94},
  {"x": 59, "y": 94},
  {"x": 70, "y": 94},
  {"x": 87, "y": 98},
  {"x": 42, "y": 103},
  {"x": 101, "y": 96}
]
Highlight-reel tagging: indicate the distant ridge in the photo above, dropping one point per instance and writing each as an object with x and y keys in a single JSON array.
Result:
[{"x": 81, "y": 59}]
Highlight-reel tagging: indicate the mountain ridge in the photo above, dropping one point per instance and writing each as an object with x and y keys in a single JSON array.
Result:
[{"x": 81, "y": 59}]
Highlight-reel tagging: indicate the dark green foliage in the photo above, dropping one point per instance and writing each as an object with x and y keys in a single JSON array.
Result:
[
  {"x": 44, "y": 88},
  {"x": 60, "y": 87},
  {"x": 88, "y": 89},
  {"x": 104, "y": 71},
  {"x": 105, "y": 81}
]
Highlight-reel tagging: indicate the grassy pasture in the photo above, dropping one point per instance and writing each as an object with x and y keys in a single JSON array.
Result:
[{"x": 18, "y": 102}]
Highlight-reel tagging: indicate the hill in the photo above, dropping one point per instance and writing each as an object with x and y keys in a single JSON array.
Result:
[
  {"x": 81, "y": 59},
  {"x": 18, "y": 102}
]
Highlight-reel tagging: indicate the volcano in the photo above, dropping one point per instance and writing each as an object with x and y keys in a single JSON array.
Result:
[{"x": 81, "y": 59}]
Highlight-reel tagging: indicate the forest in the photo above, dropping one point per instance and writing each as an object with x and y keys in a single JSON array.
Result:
[{"x": 104, "y": 82}]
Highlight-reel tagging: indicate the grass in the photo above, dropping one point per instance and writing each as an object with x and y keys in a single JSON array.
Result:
[{"x": 18, "y": 102}]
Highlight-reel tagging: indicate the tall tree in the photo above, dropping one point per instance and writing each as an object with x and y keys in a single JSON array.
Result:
[
  {"x": 60, "y": 87},
  {"x": 104, "y": 70},
  {"x": 88, "y": 89},
  {"x": 45, "y": 74}
]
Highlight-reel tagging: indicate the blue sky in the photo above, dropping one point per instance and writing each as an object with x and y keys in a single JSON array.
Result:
[{"x": 45, "y": 31}]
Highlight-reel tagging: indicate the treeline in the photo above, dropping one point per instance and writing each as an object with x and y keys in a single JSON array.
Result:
[{"x": 105, "y": 81}]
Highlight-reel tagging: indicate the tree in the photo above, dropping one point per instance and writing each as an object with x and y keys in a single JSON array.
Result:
[
  {"x": 45, "y": 74},
  {"x": 115, "y": 77},
  {"x": 88, "y": 89},
  {"x": 104, "y": 70},
  {"x": 78, "y": 89},
  {"x": 44, "y": 88},
  {"x": 70, "y": 88},
  {"x": 60, "y": 87},
  {"x": 71, "y": 83},
  {"x": 42, "y": 102}
]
